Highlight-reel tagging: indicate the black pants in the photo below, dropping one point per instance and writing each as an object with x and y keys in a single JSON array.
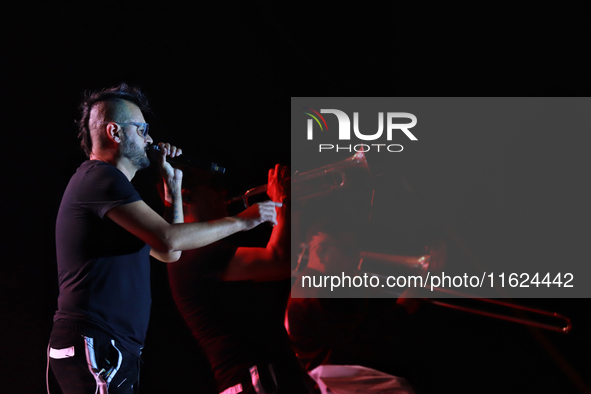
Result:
[{"x": 91, "y": 364}]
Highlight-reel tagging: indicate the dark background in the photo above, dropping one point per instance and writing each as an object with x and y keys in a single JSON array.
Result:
[{"x": 218, "y": 77}]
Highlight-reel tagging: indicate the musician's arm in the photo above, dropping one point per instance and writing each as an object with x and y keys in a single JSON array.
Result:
[
  {"x": 173, "y": 213},
  {"x": 273, "y": 261},
  {"x": 264, "y": 264},
  {"x": 169, "y": 238},
  {"x": 139, "y": 219}
]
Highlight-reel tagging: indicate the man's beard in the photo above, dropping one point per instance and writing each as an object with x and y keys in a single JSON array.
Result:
[{"x": 135, "y": 154}]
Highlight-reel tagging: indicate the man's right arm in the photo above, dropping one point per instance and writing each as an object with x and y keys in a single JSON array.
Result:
[{"x": 140, "y": 220}]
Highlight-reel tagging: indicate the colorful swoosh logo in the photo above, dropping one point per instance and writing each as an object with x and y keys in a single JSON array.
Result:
[{"x": 315, "y": 118}]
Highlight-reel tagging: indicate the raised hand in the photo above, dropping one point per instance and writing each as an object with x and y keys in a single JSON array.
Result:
[
  {"x": 279, "y": 183},
  {"x": 173, "y": 177}
]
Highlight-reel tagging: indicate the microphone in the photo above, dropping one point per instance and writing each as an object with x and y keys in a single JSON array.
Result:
[{"x": 154, "y": 153}]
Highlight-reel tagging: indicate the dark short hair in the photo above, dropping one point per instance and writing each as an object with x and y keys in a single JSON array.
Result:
[{"x": 122, "y": 91}]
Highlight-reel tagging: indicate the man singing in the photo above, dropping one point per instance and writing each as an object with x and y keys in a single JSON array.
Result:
[{"x": 105, "y": 234}]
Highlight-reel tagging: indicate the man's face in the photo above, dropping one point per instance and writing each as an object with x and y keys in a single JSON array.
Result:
[{"x": 133, "y": 144}]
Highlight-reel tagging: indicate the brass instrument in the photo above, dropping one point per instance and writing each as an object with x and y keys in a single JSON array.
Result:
[
  {"x": 318, "y": 182},
  {"x": 341, "y": 175},
  {"x": 561, "y": 323},
  {"x": 502, "y": 310}
]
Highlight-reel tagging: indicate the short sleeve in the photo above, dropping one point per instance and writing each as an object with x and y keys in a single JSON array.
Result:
[{"x": 104, "y": 187}]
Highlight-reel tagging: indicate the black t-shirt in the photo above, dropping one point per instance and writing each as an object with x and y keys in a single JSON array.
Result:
[
  {"x": 239, "y": 324},
  {"x": 103, "y": 270}
]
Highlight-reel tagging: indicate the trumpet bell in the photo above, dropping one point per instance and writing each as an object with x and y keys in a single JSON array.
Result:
[
  {"x": 334, "y": 177},
  {"x": 343, "y": 175}
]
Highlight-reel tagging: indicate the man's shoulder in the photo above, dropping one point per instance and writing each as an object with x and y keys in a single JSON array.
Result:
[
  {"x": 98, "y": 182},
  {"x": 95, "y": 171},
  {"x": 90, "y": 166}
]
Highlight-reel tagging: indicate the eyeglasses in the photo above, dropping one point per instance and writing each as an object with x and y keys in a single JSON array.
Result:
[{"x": 143, "y": 133}]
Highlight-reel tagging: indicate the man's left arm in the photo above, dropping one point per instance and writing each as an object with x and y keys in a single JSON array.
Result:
[{"x": 173, "y": 200}]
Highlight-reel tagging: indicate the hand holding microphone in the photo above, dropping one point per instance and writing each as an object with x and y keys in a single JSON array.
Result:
[
  {"x": 173, "y": 177},
  {"x": 154, "y": 152}
]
